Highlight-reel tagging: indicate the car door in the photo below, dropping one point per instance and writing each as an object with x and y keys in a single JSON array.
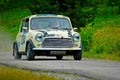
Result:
[{"x": 23, "y": 33}]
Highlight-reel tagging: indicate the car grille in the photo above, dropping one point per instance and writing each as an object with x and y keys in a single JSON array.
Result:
[{"x": 57, "y": 43}]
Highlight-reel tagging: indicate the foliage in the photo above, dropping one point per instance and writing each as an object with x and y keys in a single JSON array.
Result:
[
  {"x": 87, "y": 37},
  {"x": 73, "y": 9},
  {"x": 114, "y": 3},
  {"x": 104, "y": 10},
  {"x": 81, "y": 12},
  {"x": 8, "y": 73},
  {"x": 105, "y": 39},
  {"x": 10, "y": 19},
  {"x": 10, "y": 4}
]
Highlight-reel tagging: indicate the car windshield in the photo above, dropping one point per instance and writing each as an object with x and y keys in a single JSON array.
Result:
[{"x": 49, "y": 23}]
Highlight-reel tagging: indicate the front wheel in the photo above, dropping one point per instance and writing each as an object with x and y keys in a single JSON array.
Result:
[
  {"x": 15, "y": 52},
  {"x": 29, "y": 52},
  {"x": 78, "y": 55}
]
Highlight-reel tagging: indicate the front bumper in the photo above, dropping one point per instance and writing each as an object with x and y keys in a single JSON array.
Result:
[{"x": 58, "y": 49}]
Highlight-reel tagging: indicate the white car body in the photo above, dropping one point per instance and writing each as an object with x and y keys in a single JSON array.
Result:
[{"x": 37, "y": 37}]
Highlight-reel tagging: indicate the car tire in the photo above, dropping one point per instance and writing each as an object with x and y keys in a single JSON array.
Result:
[
  {"x": 16, "y": 52},
  {"x": 78, "y": 55},
  {"x": 59, "y": 57},
  {"x": 29, "y": 52}
]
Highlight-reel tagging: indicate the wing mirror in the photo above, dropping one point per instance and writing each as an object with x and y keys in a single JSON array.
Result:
[
  {"x": 75, "y": 29},
  {"x": 24, "y": 29}
]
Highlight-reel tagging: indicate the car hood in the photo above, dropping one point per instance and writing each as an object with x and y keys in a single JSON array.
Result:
[{"x": 56, "y": 33}]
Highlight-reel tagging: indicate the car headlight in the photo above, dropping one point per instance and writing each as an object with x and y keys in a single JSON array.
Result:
[
  {"x": 39, "y": 37},
  {"x": 76, "y": 37}
]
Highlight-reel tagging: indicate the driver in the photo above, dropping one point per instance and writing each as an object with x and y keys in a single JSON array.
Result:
[{"x": 54, "y": 24}]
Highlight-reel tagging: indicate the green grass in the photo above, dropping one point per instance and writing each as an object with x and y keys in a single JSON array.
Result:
[{"x": 9, "y": 73}]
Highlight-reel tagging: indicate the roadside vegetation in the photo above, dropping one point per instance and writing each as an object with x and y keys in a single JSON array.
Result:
[
  {"x": 99, "y": 24},
  {"x": 9, "y": 73},
  {"x": 10, "y": 20},
  {"x": 102, "y": 40}
]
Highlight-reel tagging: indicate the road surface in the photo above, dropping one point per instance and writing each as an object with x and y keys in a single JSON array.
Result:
[{"x": 86, "y": 69}]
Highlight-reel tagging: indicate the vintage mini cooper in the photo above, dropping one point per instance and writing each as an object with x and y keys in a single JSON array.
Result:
[{"x": 47, "y": 35}]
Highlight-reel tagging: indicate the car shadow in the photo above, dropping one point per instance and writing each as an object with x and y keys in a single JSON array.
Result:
[{"x": 48, "y": 59}]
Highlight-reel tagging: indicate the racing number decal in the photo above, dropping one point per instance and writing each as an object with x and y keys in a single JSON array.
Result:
[{"x": 23, "y": 38}]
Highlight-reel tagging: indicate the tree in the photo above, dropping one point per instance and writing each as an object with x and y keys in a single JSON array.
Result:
[
  {"x": 81, "y": 12},
  {"x": 3, "y": 4},
  {"x": 9, "y": 4},
  {"x": 114, "y": 3},
  {"x": 43, "y": 6}
]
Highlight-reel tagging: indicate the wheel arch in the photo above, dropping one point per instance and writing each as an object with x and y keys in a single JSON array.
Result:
[{"x": 31, "y": 43}]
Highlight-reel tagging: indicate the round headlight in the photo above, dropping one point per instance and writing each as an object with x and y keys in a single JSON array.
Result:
[
  {"x": 76, "y": 37},
  {"x": 39, "y": 37}
]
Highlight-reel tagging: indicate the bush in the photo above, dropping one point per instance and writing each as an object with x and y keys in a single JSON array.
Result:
[
  {"x": 106, "y": 40},
  {"x": 87, "y": 37},
  {"x": 107, "y": 11}
]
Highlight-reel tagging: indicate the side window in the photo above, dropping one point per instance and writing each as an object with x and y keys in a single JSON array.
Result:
[
  {"x": 24, "y": 30},
  {"x": 25, "y": 24}
]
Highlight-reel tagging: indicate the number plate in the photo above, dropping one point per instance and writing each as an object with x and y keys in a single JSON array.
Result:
[{"x": 57, "y": 52}]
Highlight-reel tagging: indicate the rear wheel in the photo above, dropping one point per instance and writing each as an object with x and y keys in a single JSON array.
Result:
[
  {"x": 78, "y": 55},
  {"x": 16, "y": 54},
  {"x": 59, "y": 57},
  {"x": 29, "y": 52}
]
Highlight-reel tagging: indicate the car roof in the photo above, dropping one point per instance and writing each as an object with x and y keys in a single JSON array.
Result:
[{"x": 45, "y": 15}]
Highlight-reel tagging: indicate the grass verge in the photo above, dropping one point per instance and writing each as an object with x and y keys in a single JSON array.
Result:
[{"x": 9, "y": 73}]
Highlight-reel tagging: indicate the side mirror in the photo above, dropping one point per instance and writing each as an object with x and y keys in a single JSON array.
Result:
[
  {"x": 24, "y": 29},
  {"x": 75, "y": 29}
]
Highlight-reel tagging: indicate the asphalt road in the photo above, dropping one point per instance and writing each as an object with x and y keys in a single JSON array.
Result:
[{"x": 86, "y": 68}]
